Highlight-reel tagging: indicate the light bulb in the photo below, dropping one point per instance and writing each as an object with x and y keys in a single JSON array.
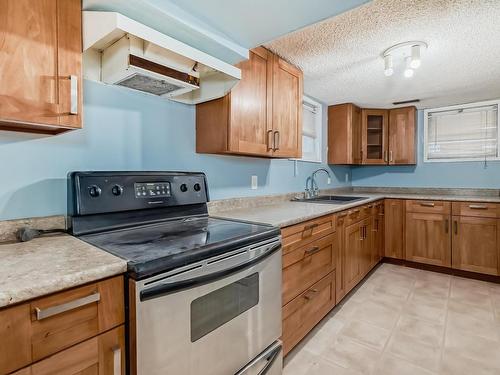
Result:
[
  {"x": 408, "y": 73},
  {"x": 388, "y": 70},
  {"x": 415, "y": 57}
]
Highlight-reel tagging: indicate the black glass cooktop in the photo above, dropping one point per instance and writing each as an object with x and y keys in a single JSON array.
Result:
[{"x": 161, "y": 247}]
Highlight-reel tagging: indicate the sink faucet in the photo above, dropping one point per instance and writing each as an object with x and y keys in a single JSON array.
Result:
[{"x": 314, "y": 190}]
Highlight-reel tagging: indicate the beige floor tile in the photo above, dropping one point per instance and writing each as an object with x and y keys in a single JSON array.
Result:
[
  {"x": 477, "y": 312},
  {"x": 423, "y": 298},
  {"x": 394, "y": 366},
  {"x": 463, "y": 323},
  {"x": 323, "y": 336},
  {"x": 471, "y": 297},
  {"x": 473, "y": 347},
  {"x": 432, "y": 289},
  {"x": 377, "y": 314},
  {"x": 351, "y": 355},
  {"x": 435, "y": 277},
  {"x": 420, "y": 330},
  {"x": 476, "y": 286},
  {"x": 366, "y": 334},
  {"x": 298, "y": 362},
  {"x": 424, "y": 312},
  {"x": 407, "y": 348},
  {"x": 323, "y": 367},
  {"x": 457, "y": 364}
]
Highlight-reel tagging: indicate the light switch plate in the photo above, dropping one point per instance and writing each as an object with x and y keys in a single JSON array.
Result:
[{"x": 254, "y": 182}]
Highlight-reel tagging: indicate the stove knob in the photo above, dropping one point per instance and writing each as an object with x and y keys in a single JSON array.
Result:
[
  {"x": 184, "y": 188},
  {"x": 94, "y": 191},
  {"x": 197, "y": 187},
  {"x": 117, "y": 190}
]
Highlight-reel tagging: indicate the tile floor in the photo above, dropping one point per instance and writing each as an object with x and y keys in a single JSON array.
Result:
[{"x": 406, "y": 321}]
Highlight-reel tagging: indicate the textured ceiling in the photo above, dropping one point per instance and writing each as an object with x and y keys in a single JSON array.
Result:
[{"x": 341, "y": 57}]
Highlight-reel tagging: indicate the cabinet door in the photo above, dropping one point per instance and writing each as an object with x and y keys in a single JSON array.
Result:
[
  {"x": 112, "y": 352},
  {"x": 41, "y": 41},
  {"x": 250, "y": 128},
  {"x": 287, "y": 109},
  {"x": 428, "y": 238},
  {"x": 344, "y": 134},
  {"x": 340, "y": 259},
  {"x": 394, "y": 228},
  {"x": 402, "y": 136},
  {"x": 476, "y": 244},
  {"x": 367, "y": 246},
  {"x": 374, "y": 136},
  {"x": 357, "y": 137},
  {"x": 353, "y": 255},
  {"x": 378, "y": 234}
]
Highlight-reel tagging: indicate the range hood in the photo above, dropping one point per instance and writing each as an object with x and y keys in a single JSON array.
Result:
[{"x": 121, "y": 51}]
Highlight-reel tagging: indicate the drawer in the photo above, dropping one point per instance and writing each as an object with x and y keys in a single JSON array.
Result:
[
  {"x": 428, "y": 207},
  {"x": 357, "y": 214},
  {"x": 305, "y": 311},
  {"x": 298, "y": 235},
  {"x": 47, "y": 325},
  {"x": 476, "y": 209},
  {"x": 306, "y": 265}
]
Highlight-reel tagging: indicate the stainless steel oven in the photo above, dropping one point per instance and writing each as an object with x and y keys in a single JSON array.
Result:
[{"x": 219, "y": 316}]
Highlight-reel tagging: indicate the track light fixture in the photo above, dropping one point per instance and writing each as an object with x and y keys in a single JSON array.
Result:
[{"x": 408, "y": 53}]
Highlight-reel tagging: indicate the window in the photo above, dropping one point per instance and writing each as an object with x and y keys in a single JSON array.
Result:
[
  {"x": 462, "y": 133},
  {"x": 312, "y": 129}
]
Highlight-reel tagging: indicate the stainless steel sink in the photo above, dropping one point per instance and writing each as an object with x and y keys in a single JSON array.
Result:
[{"x": 332, "y": 199}]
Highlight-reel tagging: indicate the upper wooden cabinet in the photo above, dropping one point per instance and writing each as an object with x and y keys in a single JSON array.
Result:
[
  {"x": 371, "y": 136},
  {"x": 40, "y": 65},
  {"x": 261, "y": 116},
  {"x": 344, "y": 134}
]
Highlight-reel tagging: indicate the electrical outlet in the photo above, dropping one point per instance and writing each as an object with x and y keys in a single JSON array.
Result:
[
  {"x": 329, "y": 181},
  {"x": 347, "y": 177},
  {"x": 254, "y": 182}
]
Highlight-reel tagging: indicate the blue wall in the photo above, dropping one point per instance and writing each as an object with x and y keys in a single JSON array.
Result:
[
  {"x": 126, "y": 130},
  {"x": 465, "y": 175}
]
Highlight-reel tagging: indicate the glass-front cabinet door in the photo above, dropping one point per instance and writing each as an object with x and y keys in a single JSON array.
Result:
[{"x": 375, "y": 136}]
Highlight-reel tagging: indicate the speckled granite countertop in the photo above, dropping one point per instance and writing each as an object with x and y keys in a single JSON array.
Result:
[
  {"x": 282, "y": 212},
  {"x": 50, "y": 264}
]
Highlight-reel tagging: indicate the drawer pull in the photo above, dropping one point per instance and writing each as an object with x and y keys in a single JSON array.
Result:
[
  {"x": 342, "y": 215},
  {"x": 427, "y": 204},
  {"x": 355, "y": 211},
  {"x": 308, "y": 295},
  {"x": 59, "y": 309},
  {"x": 455, "y": 225},
  {"x": 477, "y": 207},
  {"x": 446, "y": 226},
  {"x": 117, "y": 360},
  {"x": 312, "y": 250},
  {"x": 311, "y": 226},
  {"x": 269, "y": 140}
]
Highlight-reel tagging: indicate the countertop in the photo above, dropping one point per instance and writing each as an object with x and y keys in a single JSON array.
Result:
[
  {"x": 50, "y": 264},
  {"x": 285, "y": 213}
]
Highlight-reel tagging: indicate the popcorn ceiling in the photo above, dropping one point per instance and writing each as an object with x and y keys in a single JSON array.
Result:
[{"x": 341, "y": 56}]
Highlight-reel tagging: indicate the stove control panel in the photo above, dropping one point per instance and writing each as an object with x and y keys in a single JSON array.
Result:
[
  {"x": 152, "y": 189},
  {"x": 106, "y": 192}
]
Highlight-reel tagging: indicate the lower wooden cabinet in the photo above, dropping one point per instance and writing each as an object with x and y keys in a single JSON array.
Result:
[
  {"x": 352, "y": 255},
  {"x": 394, "y": 228},
  {"x": 302, "y": 313},
  {"x": 476, "y": 244},
  {"x": 428, "y": 238},
  {"x": 378, "y": 233}
]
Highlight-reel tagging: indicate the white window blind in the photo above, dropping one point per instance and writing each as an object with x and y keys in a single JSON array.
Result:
[
  {"x": 462, "y": 133},
  {"x": 311, "y": 130}
]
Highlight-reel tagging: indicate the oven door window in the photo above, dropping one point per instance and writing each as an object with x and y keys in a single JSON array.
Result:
[{"x": 222, "y": 305}]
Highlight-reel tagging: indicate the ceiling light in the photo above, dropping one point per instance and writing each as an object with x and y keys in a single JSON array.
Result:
[
  {"x": 388, "y": 70},
  {"x": 415, "y": 57},
  {"x": 408, "y": 71}
]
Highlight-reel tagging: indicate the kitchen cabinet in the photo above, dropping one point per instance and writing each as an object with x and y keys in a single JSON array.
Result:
[
  {"x": 375, "y": 126},
  {"x": 67, "y": 329},
  {"x": 371, "y": 136},
  {"x": 344, "y": 134},
  {"x": 402, "y": 136},
  {"x": 261, "y": 116},
  {"x": 41, "y": 45},
  {"x": 378, "y": 233},
  {"x": 394, "y": 228},
  {"x": 357, "y": 252},
  {"x": 476, "y": 245}
]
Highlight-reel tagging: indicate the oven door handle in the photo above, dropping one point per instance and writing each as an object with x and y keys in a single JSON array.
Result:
[
  {"x": 269, "y": 355},
  {"x": 169, "y": 288}
]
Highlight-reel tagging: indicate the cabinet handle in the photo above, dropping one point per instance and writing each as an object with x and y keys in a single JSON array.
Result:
[
  {"x": 342, "y": 215},
  {"x": 390, "y": 156},
  {"x": 59, "y": 309},
  {"x": 311, "y": 226},
  {"x": 427, "y": 204},
  {"x": 385, "y": 156},
  {"x": 73, "y": 109},
  {"x": 269, "y": 140},
  {"x": 117, "y": 360},
  {"x": 355, "y": 211},
  {"x": 276, "y": 140},
  {"x": 477, "y": 207},
  {"x": 308, "y": 295},
  {"x": 312, "y": 250},
  {"x": 455, "y": 225},
  {"x": 446, "y": 226}
]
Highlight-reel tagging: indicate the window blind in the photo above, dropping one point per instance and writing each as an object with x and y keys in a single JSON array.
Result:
[
  {"x": 309, "y": 120},
  {"x": 464, "y": 133}
]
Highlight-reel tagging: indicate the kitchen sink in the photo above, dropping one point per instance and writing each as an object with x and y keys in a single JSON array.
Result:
[{"x": 332, "y": 199}]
